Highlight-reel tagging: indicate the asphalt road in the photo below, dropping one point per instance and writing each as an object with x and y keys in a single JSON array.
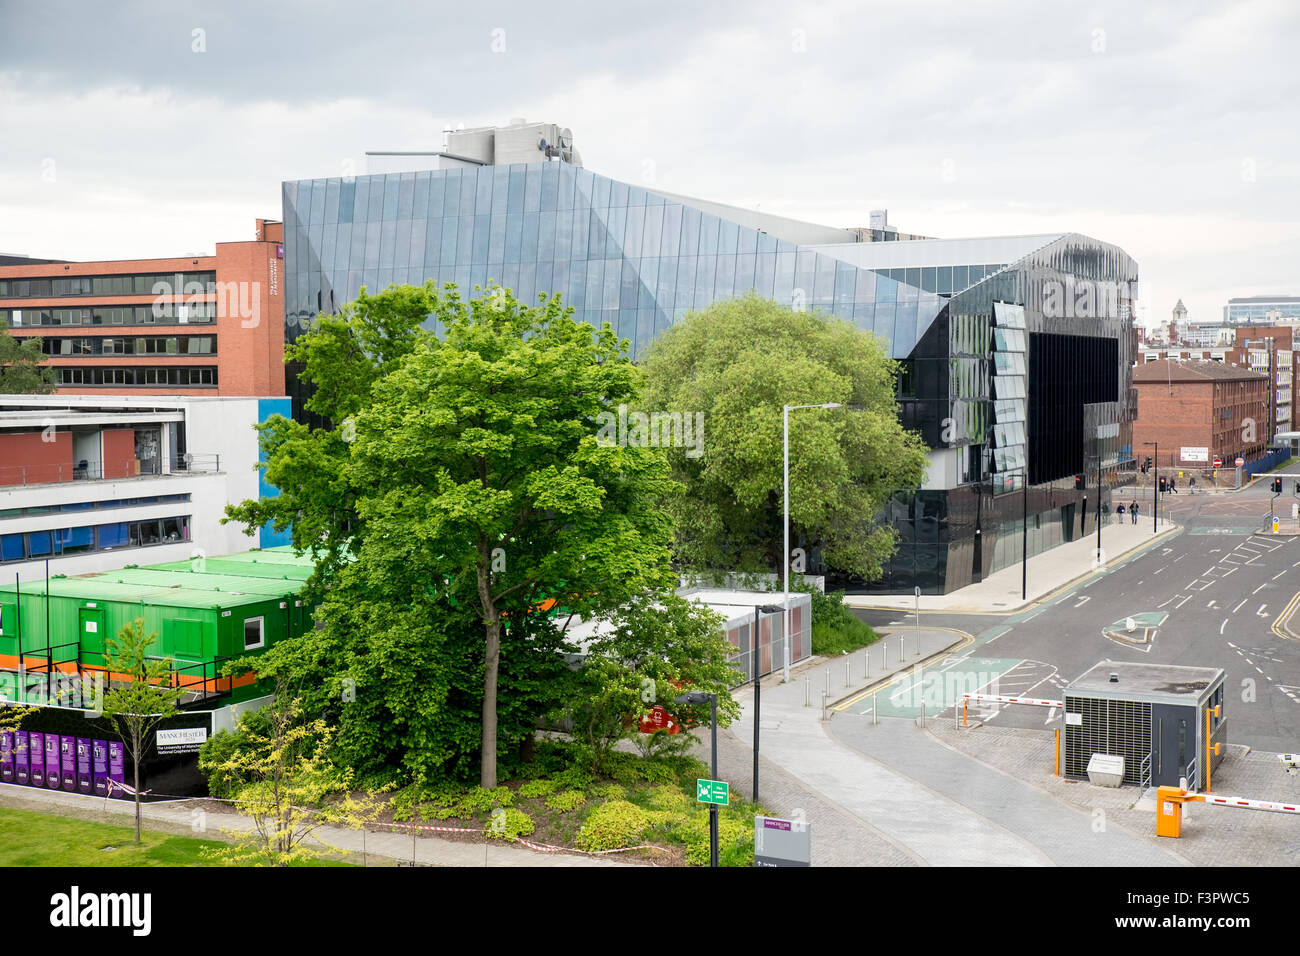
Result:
[{"x": 1207, "y": 597}]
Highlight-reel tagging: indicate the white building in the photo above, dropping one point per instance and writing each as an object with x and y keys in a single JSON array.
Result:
[{"x": 92, "y": 483}]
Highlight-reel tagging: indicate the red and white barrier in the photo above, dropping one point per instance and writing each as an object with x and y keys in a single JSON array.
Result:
[
  {"x": 1248, "y": 804},
  {"x": 1014, "y": 700}
]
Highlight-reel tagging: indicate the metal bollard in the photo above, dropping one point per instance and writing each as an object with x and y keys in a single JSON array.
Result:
[
  {"x": 807, "y": 692},
  {"x": 847, "y": 676},
  {"x": 922, "y": 713},
  {"x": 873, "y": 708},
  {"x": 866, "y": 662},
  {"x": 824, "y": 697},
  {"x": 828, "y": 681}
]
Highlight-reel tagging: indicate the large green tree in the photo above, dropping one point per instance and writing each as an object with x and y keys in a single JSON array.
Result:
[
  {"x": 21, "y": 368},
  {"x": 462, "y": 496},
  {"x": 738, "y": 362}
]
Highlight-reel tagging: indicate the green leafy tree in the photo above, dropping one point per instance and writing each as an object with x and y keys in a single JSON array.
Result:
[
  {"x": 738, "y": 362},
  {"x": 463, "y": 498},
  {"x": 22, "y": 371},
  {"x": 654, "y": 650},
  {"x": 136, "y": 706},
  {"x": 283, "y": 778}
]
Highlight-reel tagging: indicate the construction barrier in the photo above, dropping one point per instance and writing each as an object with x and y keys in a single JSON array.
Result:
[
  {"x": 1170, "y": 800},
  {"x": 994, "y": 698}
]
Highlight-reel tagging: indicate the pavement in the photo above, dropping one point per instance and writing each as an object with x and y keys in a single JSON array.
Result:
[
  {"x": 1047, "y": 573},
  {"x": 897, "y": 791},
  {"x": 377, "y": 846}
]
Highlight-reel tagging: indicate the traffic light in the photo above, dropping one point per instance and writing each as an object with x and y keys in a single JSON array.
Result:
[
  {"x": 1162, "y": 484},
  {"x": 1147, "y": 465},
  {"x": 1277, "y": 486},
  {"x": 1078, "y": 483}
]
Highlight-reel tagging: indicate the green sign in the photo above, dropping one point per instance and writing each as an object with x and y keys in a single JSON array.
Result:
[{"x": 711, "y": 791}]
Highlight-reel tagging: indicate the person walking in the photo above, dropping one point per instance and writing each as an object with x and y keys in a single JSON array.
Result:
[
  {"x": 1191, "y": 485},
  {"x": 1133, "y": 511},
  {"x": 1173, "y": 485},
  {"x": 1119, "y": 513}
]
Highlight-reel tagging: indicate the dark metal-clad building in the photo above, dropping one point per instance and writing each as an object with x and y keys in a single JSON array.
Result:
[{"x": 1016, "y": 358}]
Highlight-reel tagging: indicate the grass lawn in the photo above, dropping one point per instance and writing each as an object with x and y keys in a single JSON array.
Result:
[{"x": 44, "y": 839}]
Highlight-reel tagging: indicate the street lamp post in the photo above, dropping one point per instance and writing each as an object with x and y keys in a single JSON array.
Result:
[
  {"x": 785, "y": 507},
  {"x": 694, "y": 698},
  {"x": 758, "y": 684}
]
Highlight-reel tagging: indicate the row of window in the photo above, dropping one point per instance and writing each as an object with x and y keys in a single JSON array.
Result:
[
  {"x": 89, "y": 505},
  {"x": 161, "y": 313},
  {"x": 945, "y": 280},
  {"x": 174, "y": 375},
  {"x": 102, "y": 537},
  {"x": 53, "y": 288},
  {"x": 110, "y": 345}
]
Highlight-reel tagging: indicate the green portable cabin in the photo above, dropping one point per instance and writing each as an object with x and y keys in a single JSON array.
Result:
[{"x": 199, "y": 627}]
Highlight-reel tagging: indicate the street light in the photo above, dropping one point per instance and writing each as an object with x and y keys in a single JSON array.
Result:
[
  {"x": 695, "y": 698},
  {"x": 785, "y": 507},
  {"x": 757, "y": 660}
]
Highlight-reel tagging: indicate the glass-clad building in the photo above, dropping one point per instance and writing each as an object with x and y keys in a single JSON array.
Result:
[{"x": 1015, "y": 351}]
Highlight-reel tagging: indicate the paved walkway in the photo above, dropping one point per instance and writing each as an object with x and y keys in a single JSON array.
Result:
[
  {"x": 1047, "y": 572},
  {"x": 374, "y": 847},
  {"x": 895, "y": 790}
]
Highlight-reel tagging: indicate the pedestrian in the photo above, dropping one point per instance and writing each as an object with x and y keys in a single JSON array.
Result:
[
  {"x": 1105, "y": 512},
  {"x": 1191, "y": 484},
  {"x": 1173, "y": 485},
  {"x": 1133, "y": 511},
  {"x": 1119, "y": 513}
]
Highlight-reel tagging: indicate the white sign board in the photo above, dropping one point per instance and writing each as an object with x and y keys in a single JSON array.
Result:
[
  {"x": 182, "y": 740},
  {"x": 1194, "y": 454}
]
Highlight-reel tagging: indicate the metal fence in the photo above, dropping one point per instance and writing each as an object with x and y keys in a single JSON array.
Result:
[{"x": 56, "y": 472}]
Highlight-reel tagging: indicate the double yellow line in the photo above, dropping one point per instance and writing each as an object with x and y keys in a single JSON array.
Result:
[{"x": 1279, "y": 622}]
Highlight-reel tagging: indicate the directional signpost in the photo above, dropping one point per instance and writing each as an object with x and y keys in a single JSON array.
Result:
[{"x": 712, "y": 791}]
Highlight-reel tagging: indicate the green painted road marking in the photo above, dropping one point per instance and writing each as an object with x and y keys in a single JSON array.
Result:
[
  {"x": 712, "y": 791},
  {"x": 938, "y": 688}
]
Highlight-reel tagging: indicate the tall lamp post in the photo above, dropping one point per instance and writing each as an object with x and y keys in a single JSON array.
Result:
[
  {"x": 694, "y": 698},
  {"x": 758, "y": 686},
  {"x": 785, "y": 507}
]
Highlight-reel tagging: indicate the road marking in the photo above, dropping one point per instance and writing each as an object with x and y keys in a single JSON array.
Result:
[
  {"x": 1166, "y": 602},
  {"x": 1238, "y": 607},
  {"x": 1159, "y": 570},
  {"x": 1248, "y": 660},
  {"x": 1259, "y": 670},
  {"x": 1260, "y": 612},
  {"x": 1211, "y": 604},
  {"x": 1260, "y": 588},
  {"x": 1083, "y": 600},
  {"x": 1180, "y": 557},
  {"x": 1223, "y": 625},
  {"x": 1183, "y": 601},
  {"x": 1278, "y": 575}
]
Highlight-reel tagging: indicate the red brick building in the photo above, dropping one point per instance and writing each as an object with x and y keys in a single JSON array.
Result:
[
  {"x": 189, "y": 325},
  {"x": 1198, "y": 410}
]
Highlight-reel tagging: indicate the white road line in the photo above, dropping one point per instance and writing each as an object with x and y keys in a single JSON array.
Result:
[
  {"x": 1083, "y": 599},
  {"x": 1229, "y": 572},
  {"x": 1159, "y": 570},
  {"x": 1260, "y": 588},
  {"x": 1223, "y": 625},
  {"x": 1296, "y": 565},
  {"x": 1238, "y": 607},
  {"x": 1248, "y": 660},
  {"x": 1166, "y": 602},
  {"x": 1278, "y": 575},
  {"x": 1211, "y": 604},
  {"x": 1180, "y": 557},
  {"x": 1257, "y": 670},
  {"x": 1260, "y": 612},
  {"x": 1183, "y": 601}
]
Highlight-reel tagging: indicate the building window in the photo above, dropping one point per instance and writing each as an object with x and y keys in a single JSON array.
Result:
[{"x": 254, "y": 633}]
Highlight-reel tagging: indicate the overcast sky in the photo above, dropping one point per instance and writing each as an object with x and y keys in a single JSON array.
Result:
[{"x": 1170, "y": 129}]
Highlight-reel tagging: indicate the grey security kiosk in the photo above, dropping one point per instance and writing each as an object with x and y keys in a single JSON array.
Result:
[{"x": 1154, "y": 716}]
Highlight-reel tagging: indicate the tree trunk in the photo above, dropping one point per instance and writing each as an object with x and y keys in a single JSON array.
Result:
[{"x": 491, "y": 662}]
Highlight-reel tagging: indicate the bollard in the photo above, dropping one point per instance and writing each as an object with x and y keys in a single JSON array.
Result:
[
  {"x": 922, "y": 713},
  {"x": 866, "y": 662},
  {"x": 807, "y": 692},
  {"x": 824, "y": 697},
  {"x": 847, "y": 675},
  {"x": 873, "y": 707},
  {"x": 828, "y": 681}
]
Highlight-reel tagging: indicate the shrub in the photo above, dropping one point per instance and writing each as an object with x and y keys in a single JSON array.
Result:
[
  {"x": 566, "y": 801},
  {"x": 508, "y": 824},
  {"x": 610, "y": 791},
  {"x": 612, "y": 826},
  {"x": 449, "y": 801},
  {"x": 735, "y": 842},
  {"x": 539, "y": 788}
]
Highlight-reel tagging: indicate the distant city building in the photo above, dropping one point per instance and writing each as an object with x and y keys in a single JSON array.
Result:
[
  {"x": 187, "y": 325},
  {"x": 1197, "y": 410},
  {"x": 1262, "y": 310},
  {"x": 1016, "y": 351}
]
